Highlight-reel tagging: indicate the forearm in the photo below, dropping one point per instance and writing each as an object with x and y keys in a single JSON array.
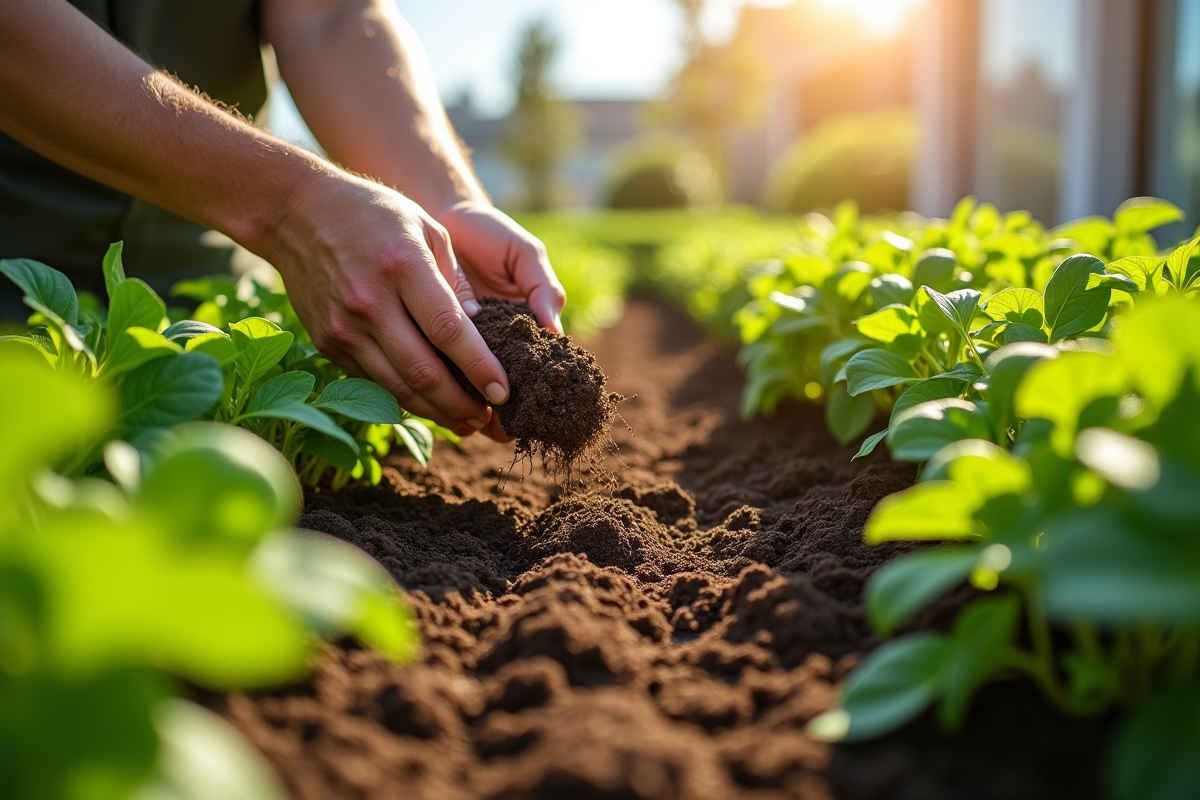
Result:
[
  {"x": 77, "y": 96},
  {"x": 362, "y": 81}
]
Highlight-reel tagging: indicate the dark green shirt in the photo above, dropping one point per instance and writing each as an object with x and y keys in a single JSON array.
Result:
[{"x": 56, "y": 216}]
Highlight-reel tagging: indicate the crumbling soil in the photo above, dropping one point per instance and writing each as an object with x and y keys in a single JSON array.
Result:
[
  {"x": 558, "y": 407},
  {"x": 666, "y": 638}
]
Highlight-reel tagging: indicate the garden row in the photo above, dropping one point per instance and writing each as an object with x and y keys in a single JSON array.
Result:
[{"x": 1049, "y": 380}]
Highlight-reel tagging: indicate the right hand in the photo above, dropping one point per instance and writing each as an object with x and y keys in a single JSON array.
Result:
[{"x": 375, "y": 281}]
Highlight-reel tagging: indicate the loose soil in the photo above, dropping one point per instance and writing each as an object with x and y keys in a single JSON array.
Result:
[{"x": 666, "y": 637}]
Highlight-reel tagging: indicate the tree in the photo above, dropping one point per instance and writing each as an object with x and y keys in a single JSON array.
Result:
[{"x": 542, "y": 128}]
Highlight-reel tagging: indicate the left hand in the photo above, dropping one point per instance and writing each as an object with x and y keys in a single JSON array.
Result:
[{"x": 502, "y": 259}]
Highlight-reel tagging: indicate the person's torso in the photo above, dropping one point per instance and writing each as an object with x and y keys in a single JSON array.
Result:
[{"x": 63, "y": 219}]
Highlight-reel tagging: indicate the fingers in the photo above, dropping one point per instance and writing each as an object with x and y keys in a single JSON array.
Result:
[
  {"x": 436, "y": 310},
  {"x": 536, "y": 279}
]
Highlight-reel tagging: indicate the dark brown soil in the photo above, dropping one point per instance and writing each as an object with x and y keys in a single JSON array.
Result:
[
  {"x": 558, "y": 407},
  {"x": 667, "y": 638}
]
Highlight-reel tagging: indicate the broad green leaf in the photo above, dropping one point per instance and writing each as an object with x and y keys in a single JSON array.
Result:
[
  {"x": 337, "y": 588},
  {"x": 958, "y": 307},
  {"x": 877, "y": 369},
  {"x": 43, "y": 285},
  {"x": 1117, "y": 282},
  {"x": 833, "y": 354},
  {"x": 211, "y": 480},
  {"x": 978, "y": 648},
  {"x": 1144, "y": 271},
  {"x": 905, "y": 586},
  {"x": 417, "y": 439},
  {"x": 217, "y": 345},
  {"x": 114, "y": 268},
  {"x": 298, "y": 353},
  {"x": 935, "y": 510},
  {"x": 869, "y": 444},
  {"x": 168, "y": 391},
  {"x": 188, "y": 329},
  {"x": 203, "y": 757},
  {"x": 895, "y": 684},
  {"x": 851, "y": 280},
  {"x": 1017, "y": 332},
  {"x": 965, "y": 371},
  {"x": 1178, "y": 263},
  {"x": 1059, "y": 390},
  {"x": 926, "y": 390},
  {"x": 91, "y": 310},
  {"x": 1091, "y": 234},
  {"x": 361, "y": 400},
  {"x": 205, "y": 289},
  {"x": 891, "y": 289},
  {"x": 285, "y": 389},
  {"x": 331, "y": 450},
  {"x": 918, "y": 432},
  {"x": 1154, "y": 757},
  {"x": 1006, "y": 367},
  {"x": 983, "y": 470},
  {"x": 44, "y": 348},
  {"x": 134, "y": 305},
  {"x": 1071, "y": 307},
  {"x": 1140, "y": 215},
  {"x": 936, "y": 269},
  {"x": 889, "y": 323},
  {"x": 260, "y": 344},
  {"x": 930, "y": 316},
  {"x": 1017, "y": 305},
  {"x": 847, "y": 416},
  {"x": 1159, "y": 344},
  {"x": 306, "y": 415},
  {"x": 134, "y": 347}
]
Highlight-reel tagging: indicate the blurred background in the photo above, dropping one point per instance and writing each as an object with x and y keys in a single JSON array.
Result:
[{"x": 1061, "y": 107}]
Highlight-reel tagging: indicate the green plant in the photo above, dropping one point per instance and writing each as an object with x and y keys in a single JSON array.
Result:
[
  {"x": 661, "y": 172},
  {"x": 113, "y": 594},
  {"x": 228, "y": 363},
  {"x": 1081, "y": 540}
]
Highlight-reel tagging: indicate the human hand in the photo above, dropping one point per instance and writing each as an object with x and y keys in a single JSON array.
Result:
[
  {"x": 375, "y": 281},
  {"x": 502, "y": 259}
]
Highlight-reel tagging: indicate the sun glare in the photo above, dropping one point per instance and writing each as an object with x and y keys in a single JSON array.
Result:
[{"x": 882, "y": 17}]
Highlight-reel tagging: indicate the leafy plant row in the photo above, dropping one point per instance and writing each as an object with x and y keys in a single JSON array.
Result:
[
  {"x": 242, "y": 358},
  {"x": 182, "y": 568}
]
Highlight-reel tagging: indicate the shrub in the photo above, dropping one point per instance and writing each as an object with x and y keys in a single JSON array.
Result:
[{"x": 662, "y": 172}]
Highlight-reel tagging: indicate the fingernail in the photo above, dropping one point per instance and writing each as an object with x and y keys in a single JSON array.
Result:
[
  {"x": 558, "y": 328},
  {"x": 477, "y": 424},
  {"x": 471, "y": 307},
  {"x": 495, "y": 393}
]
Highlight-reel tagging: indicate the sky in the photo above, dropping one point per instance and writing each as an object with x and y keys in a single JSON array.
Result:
[{"x": 610, "y": 48}]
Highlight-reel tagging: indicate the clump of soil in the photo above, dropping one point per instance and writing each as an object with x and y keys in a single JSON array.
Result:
[
  {"x": 558, "y": 408},
  {"x": 668, "y": 640}
]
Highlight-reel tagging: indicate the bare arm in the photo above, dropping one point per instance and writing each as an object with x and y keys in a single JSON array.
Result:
[
  {"x": 362, "y": 81},
  {"x": 367, "y": 269}
]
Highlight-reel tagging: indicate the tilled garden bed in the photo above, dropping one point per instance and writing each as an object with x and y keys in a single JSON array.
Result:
[{"x": 666, "y": 633}]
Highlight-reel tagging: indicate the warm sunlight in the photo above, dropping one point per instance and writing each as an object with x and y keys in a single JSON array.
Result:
[{"x": 878, "y": 16}]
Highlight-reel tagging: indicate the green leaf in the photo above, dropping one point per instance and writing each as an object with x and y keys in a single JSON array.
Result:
[
  {"x": 978, "y": 648},
  {"x": 360, "y": 400},
  {"x": 869, "y": 444},
  {"x": 926, "y": 390},
  {"x": 260, "y": 345},
  {"x": 1141, "y": 215},
  {"x": 338, "y": 589},
  {"x": 114, "y": 268},
  {"x": 1024, "y": 306},
  {"x": 889, "y": 324},
  {"x": 1159, "y": 345},
  {"x": 331, "y": 450},
  {"x": 1154, "y": 757},
  {"x": 905, "y": 586},
  {"x": 134, "y": 305},
  {"x": 285, "y": 389},
  {"x": 935, "y": 269},
  {"x": 958, "y": 307},
  {"x": 1106, "y": 281},
  {"x": 168, "y": 391},
  {"x": 306, "y": 415},
  {"x": 1177, "y": 263},
  {"x": 135, "y": 347},
  {"x": 1071, "y": 307},
  {"x": 417, "y": 439},
  {"x": 205, "y": 289},
  {"x": 217, "y": 345},
  {"x": 935, "y": 510},
  {"x": 833, "y": 354},
  {"x": 44, "y": 286},
  {"x": 1006, "y": 367},
  {"x": 895, "y": 684},
  {"x": 188, "y": 329},
  {"x": 1144, "y": 271},
  {"x": 919, "y": 432},
  {"x": 877, "y": 369},
  {"x": 847, "y": 416},
  {"x": 851, "y": 280},
  {"x": 930, "y": 316},
  {"x": 891, "y": 289},
  {"x": 1017, "y": 332},
  {"x": 1059, "y": 390}
]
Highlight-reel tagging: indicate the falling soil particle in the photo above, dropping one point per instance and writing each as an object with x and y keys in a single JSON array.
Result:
[
  {"x": 666, "y": 640},
  {"x": 558, "y": 408}
]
